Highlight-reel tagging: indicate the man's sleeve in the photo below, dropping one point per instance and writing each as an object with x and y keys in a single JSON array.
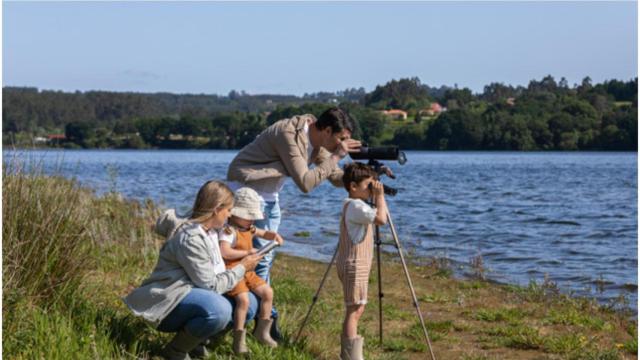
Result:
[
  {"x": 296, "y": 164},
  {"x": 336, "y": 177},
  {"x": 336, "y": 173}
]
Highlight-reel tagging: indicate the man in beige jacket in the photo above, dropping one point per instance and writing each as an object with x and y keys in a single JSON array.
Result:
[{"x": 289, "y": 148}]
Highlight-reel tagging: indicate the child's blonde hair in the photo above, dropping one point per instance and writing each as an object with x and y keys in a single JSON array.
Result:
[{"x": 212, "y": 196}]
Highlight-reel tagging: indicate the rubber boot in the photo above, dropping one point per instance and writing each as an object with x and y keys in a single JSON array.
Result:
[
  {"x": 180, "y": 346},
  {"x": 261, "y": 333},
  {"x": 240, "y": 342},
  {"x": 275, "y": 329},
  {"x": 356, "y": 350},
  {"x": 200, "y": 351},
  {"x": 346, "y": 349},
  {"x": 217, "y": 339}
]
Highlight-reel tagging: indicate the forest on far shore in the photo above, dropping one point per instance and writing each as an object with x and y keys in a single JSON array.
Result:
[{"x": 545, "y": 115}]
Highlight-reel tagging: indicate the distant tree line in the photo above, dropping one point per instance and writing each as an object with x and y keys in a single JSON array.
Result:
[{"x": 545, "y": 115}]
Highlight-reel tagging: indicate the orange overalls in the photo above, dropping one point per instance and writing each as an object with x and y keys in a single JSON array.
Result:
[{"x": 244, "y": 241}]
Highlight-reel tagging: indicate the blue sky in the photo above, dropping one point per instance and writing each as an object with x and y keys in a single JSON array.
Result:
[{"x": 293, "y": 48}]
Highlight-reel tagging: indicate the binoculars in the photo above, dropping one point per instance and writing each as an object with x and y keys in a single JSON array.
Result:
[{"x": 388, "y": 190}]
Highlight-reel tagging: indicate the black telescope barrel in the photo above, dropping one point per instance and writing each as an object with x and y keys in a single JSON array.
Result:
[{"x": 378, "y": 153}]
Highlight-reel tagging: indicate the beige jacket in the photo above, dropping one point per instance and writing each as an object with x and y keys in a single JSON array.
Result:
[
  {"x": 186, "y": 260},
  {"x": 281, "y": 150}
]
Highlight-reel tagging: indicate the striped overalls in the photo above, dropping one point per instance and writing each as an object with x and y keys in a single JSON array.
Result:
[{"x": 353, "y": 263}]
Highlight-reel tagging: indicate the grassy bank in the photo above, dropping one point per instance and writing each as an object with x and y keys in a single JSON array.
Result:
[{"x": 69, "y": 256}]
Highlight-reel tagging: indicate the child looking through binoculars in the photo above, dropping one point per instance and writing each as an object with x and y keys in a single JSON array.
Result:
[{"x": 355, "y": 249}]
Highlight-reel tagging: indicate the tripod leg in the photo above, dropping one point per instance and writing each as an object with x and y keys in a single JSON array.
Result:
[
  {"x": 380, "y": 294},
  {"x": 315, "y": 297},
  {"x": 413, "y": 292}
]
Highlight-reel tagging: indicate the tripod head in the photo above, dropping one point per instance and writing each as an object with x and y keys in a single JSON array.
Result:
[{"x": 382, "y": 169}]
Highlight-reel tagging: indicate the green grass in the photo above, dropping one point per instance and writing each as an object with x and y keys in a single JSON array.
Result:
[
  {"x": 434, "y": 298},
  {"x": 514, "y": 336},
  {"x": 513, "y": 315},
  {"x": 572, "y": 316},
  {"x": 55, "y": 236},
  {"x": 475, "y": 357},
  {"x": 472, "y": 285},
  {"x": 69, "y": 257}
]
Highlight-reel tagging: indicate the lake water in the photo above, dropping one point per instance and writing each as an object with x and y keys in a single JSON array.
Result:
[{"x": 569, "y": 216}]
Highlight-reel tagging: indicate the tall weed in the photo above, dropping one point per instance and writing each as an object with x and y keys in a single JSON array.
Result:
[{"x": 46, "y": 243}]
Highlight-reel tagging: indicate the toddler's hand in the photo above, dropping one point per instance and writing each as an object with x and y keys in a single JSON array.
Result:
[
  {"x": 279, "y": 239},
  {"x": 252, "y": 251}
]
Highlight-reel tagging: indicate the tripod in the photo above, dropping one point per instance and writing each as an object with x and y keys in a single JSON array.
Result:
[{"x": 378, "y": 243}]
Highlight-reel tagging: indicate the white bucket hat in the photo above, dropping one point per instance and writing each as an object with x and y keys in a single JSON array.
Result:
[{"x": 248, "y": 204}]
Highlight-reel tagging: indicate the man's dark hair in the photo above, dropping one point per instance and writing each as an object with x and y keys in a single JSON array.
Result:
[
  {"x": 356, "y": 172},
  {"x": 337, "y": 119}
]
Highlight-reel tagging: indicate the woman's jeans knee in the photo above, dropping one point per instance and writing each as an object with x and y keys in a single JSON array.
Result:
[{"x": 202, "y": 313}]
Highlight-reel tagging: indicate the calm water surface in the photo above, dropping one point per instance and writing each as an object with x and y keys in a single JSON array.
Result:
[{"x": 569, "y": 216}]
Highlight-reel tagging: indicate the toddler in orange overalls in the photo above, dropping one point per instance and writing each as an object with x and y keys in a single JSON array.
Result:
[
  {"x": 245, "y": 211},
  {"x": 355, "y": 249}
]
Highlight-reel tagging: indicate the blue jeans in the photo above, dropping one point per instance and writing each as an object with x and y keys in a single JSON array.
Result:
[
  {"x": 271, "y": 222},
  {"x": 204, "y": 313}
]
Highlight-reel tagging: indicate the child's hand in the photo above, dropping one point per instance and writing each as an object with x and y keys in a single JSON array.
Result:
[
  {"x": 377, "y": 189},
  {"x": 279, "y": 239},
  {"x": 252, "y": 251}
]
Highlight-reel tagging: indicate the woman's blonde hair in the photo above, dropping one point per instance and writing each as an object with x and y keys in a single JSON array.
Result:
[{"x": 212, "y": 196}]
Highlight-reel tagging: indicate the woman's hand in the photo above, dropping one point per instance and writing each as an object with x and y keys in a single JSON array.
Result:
[{"x": 249, "y": 262}]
